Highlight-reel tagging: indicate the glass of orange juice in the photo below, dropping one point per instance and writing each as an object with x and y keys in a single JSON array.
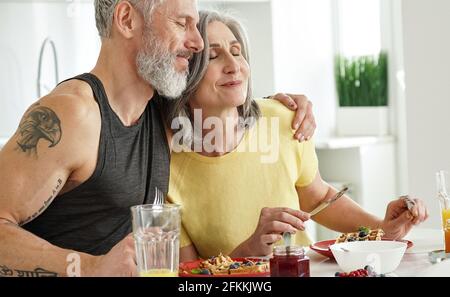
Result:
[
  {"x": 156, "y": 231},
  {"x": 444, "y": 201}
]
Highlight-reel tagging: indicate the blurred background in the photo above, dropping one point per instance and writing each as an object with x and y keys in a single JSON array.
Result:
[{"x": 377, "y": 72}]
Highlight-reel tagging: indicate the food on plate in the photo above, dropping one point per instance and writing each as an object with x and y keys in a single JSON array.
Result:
[
  {"x": 363, "y": 234},
  {"x": 368, "y": 271},
  {"x": 224, "y": 265}
]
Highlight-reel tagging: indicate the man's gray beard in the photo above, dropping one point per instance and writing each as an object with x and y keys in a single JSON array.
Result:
[{"x": 156, "y": 65}]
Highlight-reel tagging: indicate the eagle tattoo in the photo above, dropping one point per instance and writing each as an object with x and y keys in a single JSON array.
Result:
[{"x": 40, "y": 123}]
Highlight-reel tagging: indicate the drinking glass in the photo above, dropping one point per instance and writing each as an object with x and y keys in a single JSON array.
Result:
[
  {"x": 444, "y": 201},
  {"x": 156, "y": 231}
]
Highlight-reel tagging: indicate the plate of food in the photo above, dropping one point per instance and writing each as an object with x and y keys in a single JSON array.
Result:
[
  {"x": 363, "y": 234},
  {"x": 224, "y": 266}
]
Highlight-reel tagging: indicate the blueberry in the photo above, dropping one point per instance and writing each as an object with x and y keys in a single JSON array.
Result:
[
  {"x": 362, "y": 234},
  {"x": 248, "y": 263},
  {"x": 337, "y": 274},
  {"x": 205, "y": 272},
  {"x": 351, "y": 239},
  {"x": 234, "y": 266}
]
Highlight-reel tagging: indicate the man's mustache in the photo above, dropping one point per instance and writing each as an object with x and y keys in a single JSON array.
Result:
[{"x": 185, "y": 54}]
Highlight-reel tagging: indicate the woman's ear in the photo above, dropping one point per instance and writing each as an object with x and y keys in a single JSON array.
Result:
[{"x": 127, "y": 20}]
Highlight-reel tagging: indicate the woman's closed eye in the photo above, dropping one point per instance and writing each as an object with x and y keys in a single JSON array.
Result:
[
  {"x": 215, "y": 54},
  {"x": 236, "y": 54},
  {"x": 235, "y": 50}
]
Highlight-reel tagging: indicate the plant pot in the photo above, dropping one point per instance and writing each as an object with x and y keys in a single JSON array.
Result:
[{"x": 363, "y": 121}]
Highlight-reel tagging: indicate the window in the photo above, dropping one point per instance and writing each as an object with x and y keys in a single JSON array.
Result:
[{"x": 359, "y": 27}]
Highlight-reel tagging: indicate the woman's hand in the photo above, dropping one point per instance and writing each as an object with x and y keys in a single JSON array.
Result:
[
  {"x": 399, "y": 220},
  {"x": 273, "y": 222},
  {"x": 304, "y": 122}
]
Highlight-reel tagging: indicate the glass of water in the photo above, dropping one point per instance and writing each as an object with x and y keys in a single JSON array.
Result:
[
  {"x": 444, "y": 201},
  {"x": 156, "y": 231}
]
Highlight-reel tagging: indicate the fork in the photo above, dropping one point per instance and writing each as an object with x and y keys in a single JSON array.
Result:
[
  {"x": 159, "y": 197},
  {"x": 409, "y": 203}
]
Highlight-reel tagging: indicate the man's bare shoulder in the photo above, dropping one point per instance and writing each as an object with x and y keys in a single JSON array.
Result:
[
  {"x": 73, "y": 101},
  {"x": 74, "y": 94}
]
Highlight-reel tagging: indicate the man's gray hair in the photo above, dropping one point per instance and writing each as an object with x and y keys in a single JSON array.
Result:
[
  {"x": 249, "y": 112},
  {"x": 104, "y": 12}
]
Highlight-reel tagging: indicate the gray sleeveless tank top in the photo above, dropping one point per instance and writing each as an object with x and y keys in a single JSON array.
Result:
[{"x": 132, "y": 161}]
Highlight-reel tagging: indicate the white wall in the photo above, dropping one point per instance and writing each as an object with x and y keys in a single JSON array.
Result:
[
  {"x": 426, "y": 26},
  {"x": 303, "y": 56},
  {"x": 24, "y": 27}
]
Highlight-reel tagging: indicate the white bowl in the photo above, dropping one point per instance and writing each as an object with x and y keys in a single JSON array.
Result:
[{"x": 383, "y": 256}]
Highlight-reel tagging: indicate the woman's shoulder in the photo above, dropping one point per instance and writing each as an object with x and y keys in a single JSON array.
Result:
[{"x": 274, "y": 109}]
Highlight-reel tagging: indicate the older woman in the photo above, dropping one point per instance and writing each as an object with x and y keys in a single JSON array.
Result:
[{"x": 239, "y": 196}]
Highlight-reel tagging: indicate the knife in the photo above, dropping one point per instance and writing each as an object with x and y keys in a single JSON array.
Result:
[{"x": 324, "y": 205}]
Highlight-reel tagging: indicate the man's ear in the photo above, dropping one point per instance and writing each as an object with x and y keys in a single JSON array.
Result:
[{"x": 127, "y": 20}]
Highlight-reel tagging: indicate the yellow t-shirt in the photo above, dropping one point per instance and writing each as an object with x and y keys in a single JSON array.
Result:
[{"x": 222, "y": 197}]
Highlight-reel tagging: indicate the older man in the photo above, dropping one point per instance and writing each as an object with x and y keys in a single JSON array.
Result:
[{"x": 96, "y": 145}]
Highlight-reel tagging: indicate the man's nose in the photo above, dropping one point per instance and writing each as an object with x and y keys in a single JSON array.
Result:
[{"x": 195, "y": 41}]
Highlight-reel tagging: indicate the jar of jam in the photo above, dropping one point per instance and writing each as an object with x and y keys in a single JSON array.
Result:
[{"x": 289, "y": 262}]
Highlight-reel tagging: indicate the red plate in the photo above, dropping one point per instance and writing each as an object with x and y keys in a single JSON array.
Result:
[
  {"x": 186, "y": 267},
  {"x": 323, "y": 247}
]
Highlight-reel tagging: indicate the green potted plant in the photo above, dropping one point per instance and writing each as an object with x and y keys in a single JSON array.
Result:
[{"x": 362, "y": 87}]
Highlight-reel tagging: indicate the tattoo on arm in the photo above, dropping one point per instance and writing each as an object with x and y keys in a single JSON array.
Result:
[
  {"x": 38, "y": 272},
  {"x": 47, "y": 202},
  {"x": 39, "y": 123}
]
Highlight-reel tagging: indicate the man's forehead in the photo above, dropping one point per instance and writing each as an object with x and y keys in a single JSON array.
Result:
[{"x": 182, "y": 8}]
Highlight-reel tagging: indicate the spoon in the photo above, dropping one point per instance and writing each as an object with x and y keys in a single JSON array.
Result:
[{"x": 287, "y": 237}]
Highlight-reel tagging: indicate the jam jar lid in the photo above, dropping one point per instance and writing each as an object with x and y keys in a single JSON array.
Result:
[{"x": 283, "y": 250}]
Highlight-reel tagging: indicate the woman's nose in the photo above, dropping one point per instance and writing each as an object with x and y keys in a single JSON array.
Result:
[{"x": 232, "y": 66}]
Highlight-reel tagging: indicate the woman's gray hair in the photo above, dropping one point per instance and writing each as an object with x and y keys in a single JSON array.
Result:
[
  {"x": 249, "y": 112},
  {"x": 104, "y": 12}
]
